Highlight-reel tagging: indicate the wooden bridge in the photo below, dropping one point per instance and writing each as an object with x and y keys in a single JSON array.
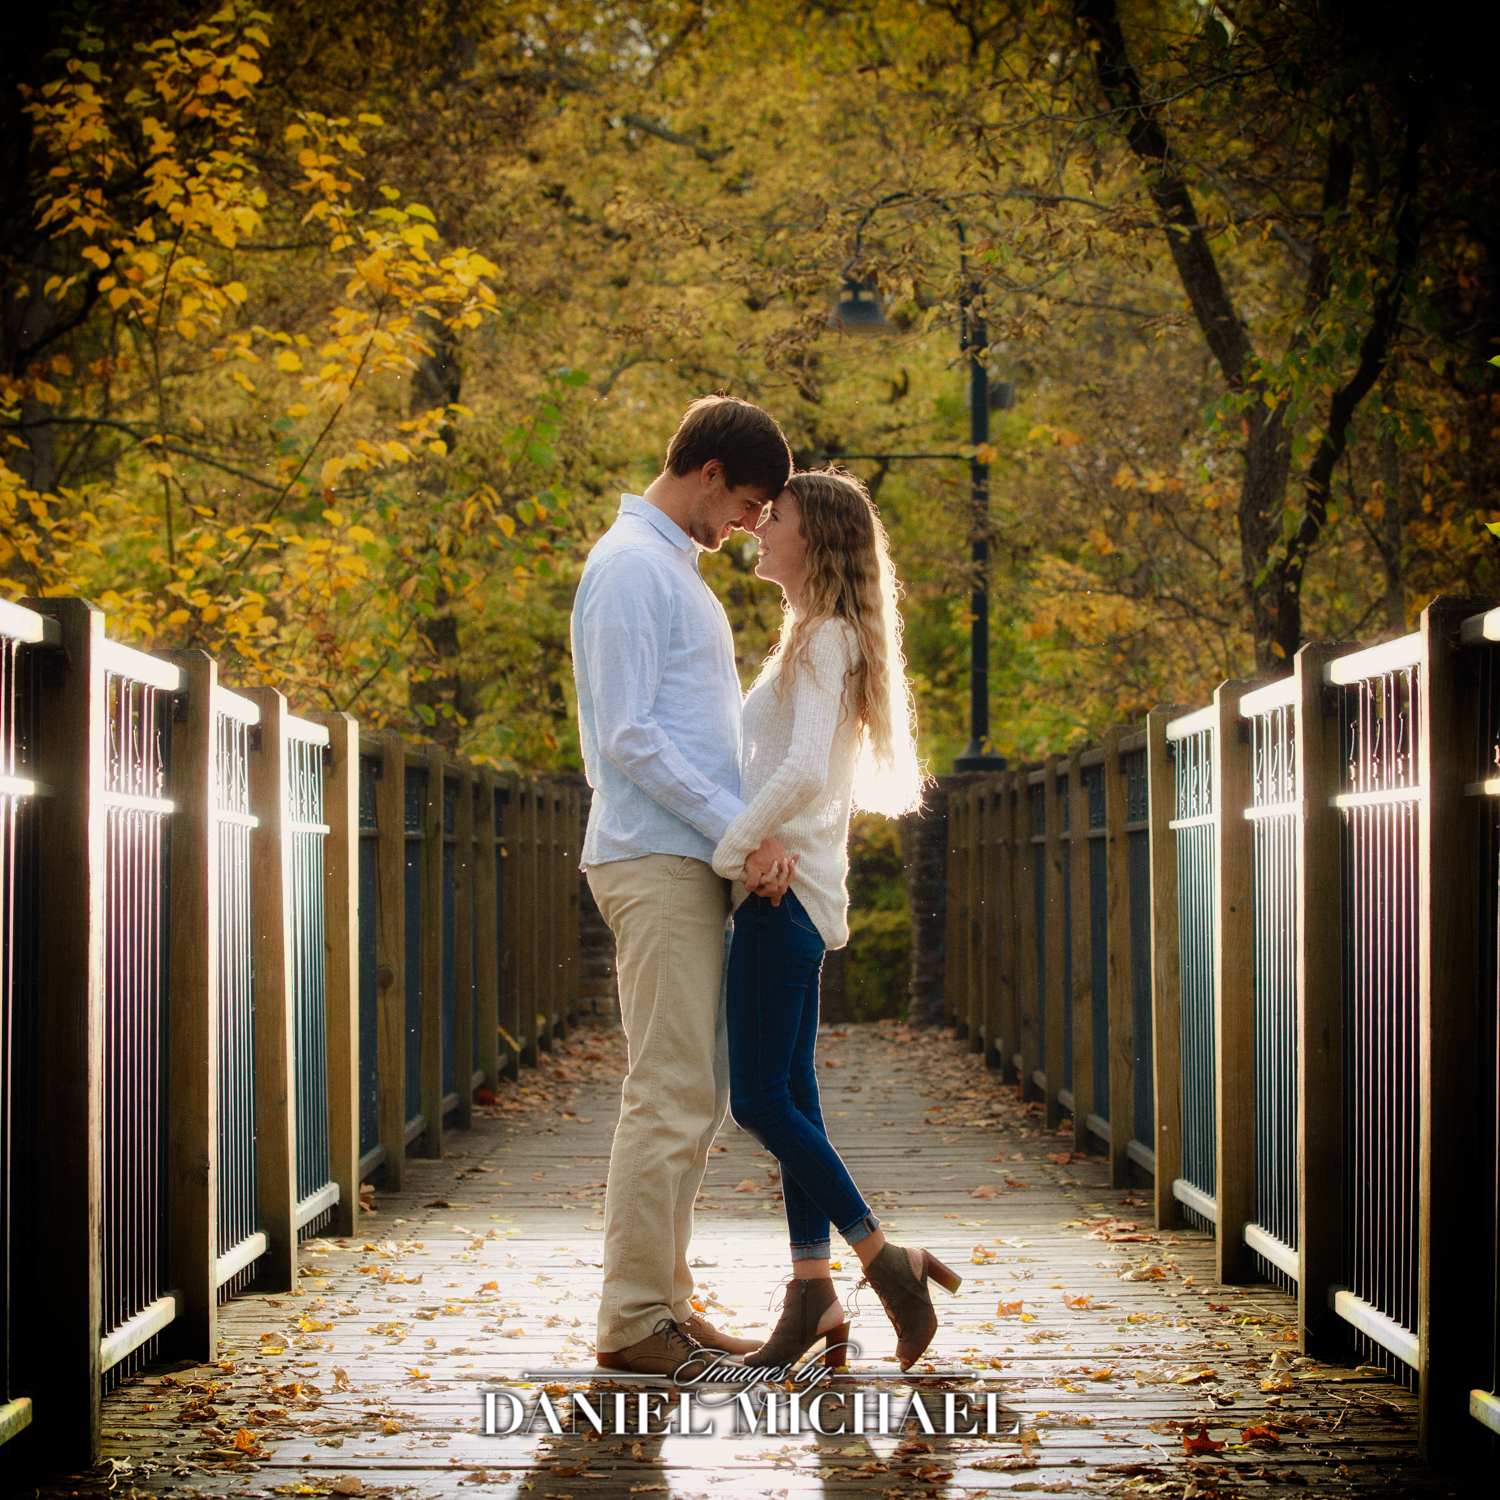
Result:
[{"x": 1213, "y": 1125}]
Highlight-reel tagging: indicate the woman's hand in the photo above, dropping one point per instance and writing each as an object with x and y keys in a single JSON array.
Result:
[{"x": 769, "y": 871}]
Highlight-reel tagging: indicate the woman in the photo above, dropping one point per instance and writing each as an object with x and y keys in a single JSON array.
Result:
[{"x": 827, "y": 724}]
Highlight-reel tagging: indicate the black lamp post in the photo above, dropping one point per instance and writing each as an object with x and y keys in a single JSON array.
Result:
[{"x": 858, "y": 310}]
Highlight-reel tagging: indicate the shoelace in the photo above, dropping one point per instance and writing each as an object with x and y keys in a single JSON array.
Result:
[{"x": 670, "y": 1329}]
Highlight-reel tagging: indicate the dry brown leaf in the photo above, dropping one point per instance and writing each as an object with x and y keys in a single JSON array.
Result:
[
  {"x": 749, "y": 1185},
  {"x": 984, "y": 1190}
]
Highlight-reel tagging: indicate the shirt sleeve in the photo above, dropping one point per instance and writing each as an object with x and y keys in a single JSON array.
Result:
[
  {"x": 802, "y": 777},
  {"x": 624, "y": 628}
]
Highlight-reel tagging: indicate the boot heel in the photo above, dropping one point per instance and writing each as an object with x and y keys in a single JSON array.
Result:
[
  {"x": 835, "y": 1347},
  {"x": 949, "y": 1280}
]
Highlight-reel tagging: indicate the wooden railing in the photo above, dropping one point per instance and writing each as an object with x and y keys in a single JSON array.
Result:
[
  {"x": 1251, "y": 950},
  {"x": 249, "y": 960}
]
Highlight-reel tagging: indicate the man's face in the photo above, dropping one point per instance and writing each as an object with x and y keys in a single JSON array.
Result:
[{"x": 719, "y": 509}]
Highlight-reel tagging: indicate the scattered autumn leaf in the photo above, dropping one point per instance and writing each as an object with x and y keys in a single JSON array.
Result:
[{"x": 1202, "y": 1443}]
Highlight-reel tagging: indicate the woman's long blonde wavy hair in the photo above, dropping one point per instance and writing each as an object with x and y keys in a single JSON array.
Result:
[{"x": 850, "y": 577}]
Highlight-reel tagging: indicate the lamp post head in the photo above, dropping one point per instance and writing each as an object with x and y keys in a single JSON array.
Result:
[{"x": 858, "y": 309}]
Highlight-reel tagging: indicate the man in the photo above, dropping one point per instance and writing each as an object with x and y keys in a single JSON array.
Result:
[{"x": 659, "y": 723}]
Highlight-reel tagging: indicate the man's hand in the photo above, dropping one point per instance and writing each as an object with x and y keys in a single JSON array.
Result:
[{"x": 769, "y": 871}]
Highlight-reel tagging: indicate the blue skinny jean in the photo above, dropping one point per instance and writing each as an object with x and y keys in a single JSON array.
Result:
[{"x": 775, "y": 959}]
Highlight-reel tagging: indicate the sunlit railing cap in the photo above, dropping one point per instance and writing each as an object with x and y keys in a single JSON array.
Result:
[
  {"x": 1279, "y": 694},
  {"x": 1195, "y": 723},
  {"x": 1376, "y": 661},
  {"x": 25, "y": 625}
]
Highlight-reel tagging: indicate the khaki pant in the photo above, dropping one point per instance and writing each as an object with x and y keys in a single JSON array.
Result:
[{"x": 667, "y": 913}]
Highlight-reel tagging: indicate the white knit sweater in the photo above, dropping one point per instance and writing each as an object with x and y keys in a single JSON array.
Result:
[{"x": 797, "y": 752}]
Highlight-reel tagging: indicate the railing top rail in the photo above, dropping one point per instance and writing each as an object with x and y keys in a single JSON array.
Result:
[
  {"x": 18, "y": 623},
  {"x": 1130, "y": 743},
  {"x": 1093, "y": 756},
  {"x": 1481, "y": 630},
  {"x": 233, "y": 706},
  {"x": 306, "y": 731},
  {"x": 126, "y": 661},
  {"x": 1375, "y": 661},
  {"x": 1194, "y": 723},
  {"x": 1280, "y": 694},
  {"x": 1037, "y": 777}
]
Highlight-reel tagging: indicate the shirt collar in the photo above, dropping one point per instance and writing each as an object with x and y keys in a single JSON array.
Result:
[{"x": 634, "y": 505}]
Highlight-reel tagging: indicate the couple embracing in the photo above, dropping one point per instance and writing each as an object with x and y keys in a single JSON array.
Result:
[{"x": 717, "y": 853}]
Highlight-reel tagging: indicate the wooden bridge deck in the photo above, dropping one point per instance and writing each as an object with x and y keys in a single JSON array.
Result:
[{"x": 1110, "y": 1343}]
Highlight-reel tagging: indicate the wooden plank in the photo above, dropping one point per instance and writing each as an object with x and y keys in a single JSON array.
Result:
[
  {"x": 1117, "y": 929},
  {"x": 193, "y": 1057},
  {"x": 463, "y": 947},
  {"x": 1234, "y": 986},
  {"x": 390, "y": 958},
  {"x": 1450, "y": 1213},
  {"x": 487, "y": 956},
  {"x": 341, "y": 961},
  {"x": 431, "y": 927},
  {"x": 60, "y": 1331},
  {"x": 1056, "y": 937},
  {"x": 1166, "y": 980},
  {"x": 1082, "y": 998},
  {"x": 1028, "y": 1035},
  {"x": 1007, "y": 998},
  {"x": 1320, "y": 1006},
  {"x": 271, "y": 956}
]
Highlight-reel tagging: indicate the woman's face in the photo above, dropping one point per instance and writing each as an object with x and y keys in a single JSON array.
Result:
[{"x": 783, "y": 548}]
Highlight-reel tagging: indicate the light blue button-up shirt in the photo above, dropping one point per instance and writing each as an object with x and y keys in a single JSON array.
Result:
[{"x": 658, "y": 694}]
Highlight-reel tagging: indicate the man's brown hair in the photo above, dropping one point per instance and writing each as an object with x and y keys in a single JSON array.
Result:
[{"x": 745, "y": 439}]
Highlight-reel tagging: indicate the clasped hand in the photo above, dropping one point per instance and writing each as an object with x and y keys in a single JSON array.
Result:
[{"x": 769, "y": 871}]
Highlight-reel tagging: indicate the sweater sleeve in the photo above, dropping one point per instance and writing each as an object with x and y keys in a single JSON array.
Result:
[{"x": 817, "y": 705}]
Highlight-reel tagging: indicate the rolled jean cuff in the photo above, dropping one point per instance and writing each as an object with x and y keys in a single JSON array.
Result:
[
  {"x": 818, "y": 1251},
  {"x": 861, "y": 1228}
]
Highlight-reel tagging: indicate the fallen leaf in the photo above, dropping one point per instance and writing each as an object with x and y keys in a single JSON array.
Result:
[
  {"x": 438, "y": 1203},
  {"x": 1202, "y": 1443},
  {"x": 490, "y": 1286},
  {"x": 311, "y": 1325},
  {"x": 1009, "y": 1309},
  {"x": 638, "y": 1453},
  {"x": 984, "y": 1190},
  {"x": 341, "y": 1380},
  {"x": 244, "y": 1440},
  {"x": 1192, "y": 1377},
  {"x": 347, "y": 1484},
  {"x": 1080, "y": 1301},
  {"x": 1062, "y": 1158},
  {"x": 1261, "y": 1437},
  {"x": 749, "y": 1185},
  {"x": 1278, "y": 1382},
  {"x": 417, "y": 1374}
]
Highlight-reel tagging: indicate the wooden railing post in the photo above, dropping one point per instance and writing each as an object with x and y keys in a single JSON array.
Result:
[
  {"x": 1117, "y": 928},
  {"x": 1028, "y": 1042},
  {"x": 1007, "y": 1021},
  {"x": 341, "y": 961},
  {"x": 1057, "y": 998},
  {"x": 1234, "y": 987},
  {"x": 487, "y": 954},
  {"x": 463, "y": 947},
  {"x": 952, "y": 904},
  {"x": 271, "y": 948},
  {"x": 432, "y": 955},
  {"x": 1320, "y": 1007},
  {"x": 528, "y": 934},
  {"x": 1449, "y": 1226},
  {"x": 1082, "y": 998},
  {"x": 991, "y": 922},
  {"x": 979, "y": 914},
  {"x": 1166, "y": 983},
  {"x": 569, "y": 874},
  {"x": 390, "y": 957},
  {"x": 192, "y": 1058},
  {"x": 512, "y": 865},
  {"x": 61, "y": 1330}
]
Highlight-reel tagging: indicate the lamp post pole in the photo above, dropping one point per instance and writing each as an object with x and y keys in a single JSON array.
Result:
[{"x": 978, "y": 754}]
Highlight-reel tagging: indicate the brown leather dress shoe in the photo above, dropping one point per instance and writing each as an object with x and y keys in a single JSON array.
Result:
[
  {"x": 699, "y": 1328},
  {"x": 666, "y": 1350}
]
